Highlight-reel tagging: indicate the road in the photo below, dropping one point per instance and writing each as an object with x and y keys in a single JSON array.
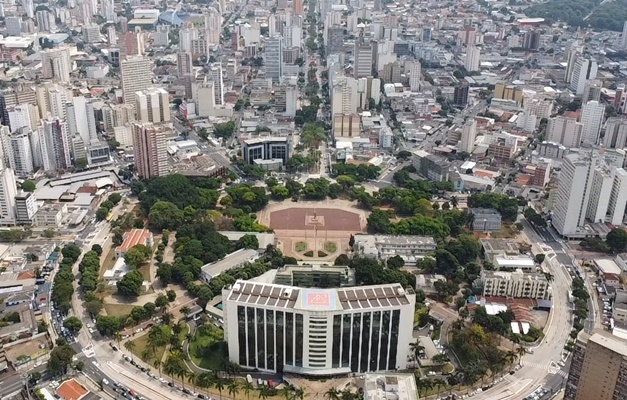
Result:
[{"x": 541, "y": 368}]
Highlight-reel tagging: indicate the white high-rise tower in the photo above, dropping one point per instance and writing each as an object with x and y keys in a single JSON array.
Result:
[{"x": 591, "y": 121}]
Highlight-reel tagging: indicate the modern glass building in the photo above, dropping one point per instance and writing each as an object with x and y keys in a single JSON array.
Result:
[{"x": 318, "y": 332}]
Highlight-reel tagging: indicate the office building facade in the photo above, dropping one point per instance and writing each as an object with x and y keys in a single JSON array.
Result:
[
  {"x": 152, "y": 105},
  {"x": 517, "y": 284},
  {"x": 318, "y": 332},
  {"x": 270, "y": 148},
  {"x": 564, "y": 130},
  {"x": 136, "y": 76},
  {"x": 273, "y": 58},
  {"x": 583, "y": 70},
  {"x": 591, "y": 121}
]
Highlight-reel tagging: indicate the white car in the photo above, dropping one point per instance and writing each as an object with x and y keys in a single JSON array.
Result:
[{"x": 105, "y": 381}]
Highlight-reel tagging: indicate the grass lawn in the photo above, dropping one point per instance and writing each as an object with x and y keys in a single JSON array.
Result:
[
  {"x": 330, "y": 247},
  {"x": 208, "y": 335},
  {"x": 117, "y": 310},
  {"x": 507, "y": 232},
  {"x": 300, "y": 246},
  {"x": 141, "y": 344}
]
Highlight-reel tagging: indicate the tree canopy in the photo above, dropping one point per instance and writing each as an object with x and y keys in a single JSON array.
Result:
[{"x": 131, "y": 283}]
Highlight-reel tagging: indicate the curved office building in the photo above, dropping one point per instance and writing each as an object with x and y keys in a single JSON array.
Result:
[{"x": 319, "y": 332}]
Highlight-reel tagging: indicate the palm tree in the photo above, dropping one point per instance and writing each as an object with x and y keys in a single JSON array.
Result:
[
  {"x": 426, "y": 384},
  {"x": 177, "y": 329},
  {"x": 299, "y": 394},
  {"x": 171, "y": 366},
  {"x": 182, "y": 373},
  {"x": 438, "y": 382},
  {"x": 130, "y": 346},
  {"x": 454, "y": 201},
  {"x": 510, "y": 357},
  {"x": 247, "y": 388},
  {"x": 416, "y": 348},
  {"x": 332, "y": 394},
  {"x": 117, "y": 337},
  {"x": 146, "y": 355},
  {"x": 286, "y": 392},
  {"x": 191, "y": 378},
  {"x": 219, "y": 384},
  {"x": 157, "y": 364},
  {"x": 185, "y": 311},
  {"x": 264, "y": 393},
  {"x": 204, "y": 380},
  {"x": 521, "y": 351},
  {"x": 233, "y": 388},
  {"x": 549, "y": 276}
]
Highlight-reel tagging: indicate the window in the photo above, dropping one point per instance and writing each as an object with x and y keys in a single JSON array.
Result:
[
  {"x": 374, "y": 343},
  {"x": 385, "y": 340},
  {"x": 337, "y": 333},
  {"x": 299, "y": 340},
  {"x": 241, "y": 334},
  {"x": 396, "y": 314},
  {"x": 355, "y": 343},
  {"x": 270, "y": 338},
  {"x": 252, "y": 348},
  {"x": 289, "y": 338},
  {"x": 365, "y": 342},
  {"x": 261, "y": 345}
]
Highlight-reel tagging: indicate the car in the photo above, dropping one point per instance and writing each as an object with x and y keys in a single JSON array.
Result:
[
  {"x": 187, "y": 391},
  {"x": 133, "y": 363},
  {"x": 105, "y": 381},
  {"x": 144, "y": 369},
  {"x": 170, "y": 384}
]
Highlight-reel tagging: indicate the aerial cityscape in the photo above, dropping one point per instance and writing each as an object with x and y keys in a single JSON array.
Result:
[{"x": 301, "y": 199}]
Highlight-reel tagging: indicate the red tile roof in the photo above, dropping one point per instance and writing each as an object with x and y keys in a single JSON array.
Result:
[
  {"x": 132, "y": 238},
  {"x": 71, "y": 390}
]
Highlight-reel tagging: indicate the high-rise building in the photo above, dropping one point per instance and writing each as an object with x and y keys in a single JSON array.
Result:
[
  {"x": 19, "y": 116},
  {"x": 8, "y": 192},
  {"x": 108, "y": 10},
  {"x": 184, "y": 63},
  {"x": 204, "y": 97},
  {"x": 589, "y": 187},
  {"x": 460, "y": 95},
  {"x": 583, "y": 70},
  {"x": 150, "y": 147},
  {"x": 564, "y": 130},
  {"x": 363, "y": 58},
  {"x": 54, "y": 141},
  {"x": 218, "y": 83},
  {"x": 615, "y": 133},
  {"x": 161, "y": 36},
  {"x": 273, "y": 58},
  {"x": 43, "y": 20},
  {"x": 624, "y": 36},
  {"x": 152, "y": 105},
  {"x": 344, "y": 95},
  {"x": 592, "y": 91},
  {"x": 28, "y": 8},
  {"x": 598, "y": 369},
  {"x": 213, "y": 26},
  {"x": 591, "y": 121},
  {"x": 136, "y": 76},
  {"x": 534, "y": 110},
  {"x": 415, "y": 75},
  {"x": 318, "y": 331},
  {"x": 574, "y": 50},
  {"x": 473, "y": 55},
  {"x": 14, "y": 26},
  {"x": 267, "y": 148},
  {"x": 131, "y": 43},
  {"x": 620, "y": 100},
  {"x": 56, "y": 64},
  {"x": 80, "y": 118},
  {"x": 469, "y": 136},
  {"x": 20, "y": 152},
  {"x": 25, "y": 208}
]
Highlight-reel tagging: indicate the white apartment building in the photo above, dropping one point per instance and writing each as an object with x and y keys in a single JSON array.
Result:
[
  {"x": 564, "y": 130},
  {"x": 315, "y": 332},
  {"x": 54, "y": 141},
  {"x": 81, "y": 118},
  {"x": 515, "y": 284},
  {"x": 583, "y": 70},
  {"x": 591, "y": 120},
  {"x": 20, "y": 152},
  {"x": 624, "y": 36},
  {"x": 473, "y": 55},
  {"x": 56, "y": 64},
  {"x": 344, "y": 95},
  {"x": 8, "y": 192},
  {"x": 615, "y": 133},
  {"x": 152, "y": 105},
  {"x": 19, "y": 116},
  {"x": 469, "y": 136},
  {"x": 217, "y": 77},
  {"x": 589, "y": 187},
  {"x": 136, "y": 76},
  {"x": 213, "y": 26},
  {"x": 204, "y": 98},
  {"x": 161, "y": 36},
  {"x": 534, "y": 110}
]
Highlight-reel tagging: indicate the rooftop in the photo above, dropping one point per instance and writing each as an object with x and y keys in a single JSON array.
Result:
[
  {"x": 504, "y": 245},
  {"x": 232, "y": 260},
  {"x": 353, "y": 298},
  {"x": 71, "y": 390},
  {"x": 608, "y": 266},
  {"x": 264, "y": 238},
  {"x": 133, "y": 238},
  {"x": 390, "y": 386}
]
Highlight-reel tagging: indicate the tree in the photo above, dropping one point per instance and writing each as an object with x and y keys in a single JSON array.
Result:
[
  {"x": 101, "y": 213},
  {"x": 28, "y": 186},
  {"x": 97, "y": 248},
  {"x": 248, "y": 242},
  {"x": 73, "y": 324},
  {"x": 137, "y": 255},
  {"x": 165, "y": 215},
  {"x": 131, "y": 283},
  {"x": 224, "y": 130},
  {"x": 161, "y": 300},
  {"x": 108, "y": 325},
  {"x": 60, "y": 359},
  {"x": 539, "y": 258},
  {"x": 617, "y": 240},
  {"x": 379, "y": 221},
  {"x": 219, "y": 384},
  {"x": 171, "y": 294},
  {"x": 233, "y": 388},
  {"x": 396, "y": 262},
  {"x": 130, "y": 346},
  {"x": 114, "y": 198}
]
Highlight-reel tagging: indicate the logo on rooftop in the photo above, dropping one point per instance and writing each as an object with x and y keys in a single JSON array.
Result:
[{"x": 318, "y": 299}]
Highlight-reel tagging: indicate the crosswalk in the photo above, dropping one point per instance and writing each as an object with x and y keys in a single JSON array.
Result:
[{"x": 551, "y": 368}]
